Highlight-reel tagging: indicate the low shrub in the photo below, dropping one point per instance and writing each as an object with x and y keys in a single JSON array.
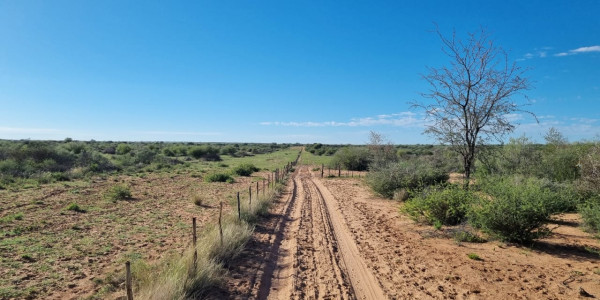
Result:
[
  {"x": 590, "y": 212},
  {"x": 75, "y": 207},
  {"x": 409, "y": 175},
  {"x": 245, "y": 169},
  {"x": 218, "y": 177},
  {"x": 516, "y": 211},
  {"x": 467, "y": 237},
  {"x": 119, "y": 192},
  {"x": 448, "y": 206}
]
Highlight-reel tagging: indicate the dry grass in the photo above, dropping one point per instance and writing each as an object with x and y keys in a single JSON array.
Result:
[{"x": 178, "y": 278}]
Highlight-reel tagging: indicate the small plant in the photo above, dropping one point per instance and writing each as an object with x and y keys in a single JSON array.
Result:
[
  {"x": 597, "y": 271},
  {"x": 437, "y": 225},
  {"x": 316, "y": 169},
  {"x": 219, "y": 177},
  {"x": 119, "y": 192},
  {"x": 245, "y": 169},
  {"x": 18, "y": 216},
  {"x": 474, "y": 256},
  {"x": 467, "y": 237},
  {"x": 75, "y": 207}
]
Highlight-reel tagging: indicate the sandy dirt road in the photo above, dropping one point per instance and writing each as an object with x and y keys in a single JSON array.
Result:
[{"x": 333, "y": 239}]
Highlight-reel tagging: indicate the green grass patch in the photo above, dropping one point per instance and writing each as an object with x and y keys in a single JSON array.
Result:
[{"x": 218, "y": 177}]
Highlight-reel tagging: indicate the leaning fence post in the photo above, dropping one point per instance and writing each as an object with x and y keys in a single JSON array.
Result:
[{"x": 128, "y": 282}]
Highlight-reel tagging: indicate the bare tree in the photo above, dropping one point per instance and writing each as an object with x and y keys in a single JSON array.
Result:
[
  {"x": 470, "y": 100},
  {"x": 381, "y": 150}
]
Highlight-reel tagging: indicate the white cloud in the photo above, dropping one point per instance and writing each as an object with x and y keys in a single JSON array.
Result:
[
  {"x": 587, "y": 49},
  {"x": 579, "y": 51},
  {"x": 402, "y": 119}
]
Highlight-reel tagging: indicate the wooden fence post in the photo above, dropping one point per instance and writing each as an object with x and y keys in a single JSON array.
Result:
[
  {"x": 250, "y": 197},
  {"x": 128, "y": 282},
  {"x": 239, "y": 207},
  {"x": 220, "y": 224},
  {"x": 263, "y": 187},
  {"x": 257, "y": 191},
  {"x": 194, "y": 243},
  {"x": 322, "y": 170}
]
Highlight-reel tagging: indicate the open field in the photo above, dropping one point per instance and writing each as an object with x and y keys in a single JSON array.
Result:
[
  {"x": 324, "y": 238},
  {"x": 333, "y": 239},
  {"x": 70, "y": 239}
]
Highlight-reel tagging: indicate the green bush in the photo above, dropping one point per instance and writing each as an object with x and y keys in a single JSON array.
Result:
[
  {"x": 449, "y": 205},
  {"x": 218, "y": 177},
  {"x": 119, "y": 192},
  {"x": 590, "y": 212},
  {"x": 352, "y": 158},
  {"x": 245, "y": 169},
  {"x": 205, "y": 152},
  {"x": 123, "y": 149},
  {"x": 408, "y": 175},
  {"x": 75, "y": 207},
  {"x": 517, "y": 210}
]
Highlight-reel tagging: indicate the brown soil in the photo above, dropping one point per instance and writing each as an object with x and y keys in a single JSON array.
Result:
[
  {"x": 55, "y": 253},
  {"x": 332, "y": 239}
]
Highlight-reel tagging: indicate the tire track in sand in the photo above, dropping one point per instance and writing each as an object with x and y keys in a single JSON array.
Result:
[{"x": 326, "y": 263}]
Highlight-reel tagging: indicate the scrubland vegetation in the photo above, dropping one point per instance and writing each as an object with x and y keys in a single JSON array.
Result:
[
  {"x": 72, "y": 212},
  {"x": 514, "y": 192}
]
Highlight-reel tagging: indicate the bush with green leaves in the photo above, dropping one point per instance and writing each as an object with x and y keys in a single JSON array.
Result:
[
  {"x": 245, "y": 169},
  {"x": 516, "y": 210},
  {"x": 406, "y": 174},
  {"x": 219, "y": 177},
  {"x": 119, "y": 192},
  {"x": 590, "y": 212},
  {"x": 352, "y": 158},
  {"x": 446, "y": 205},
  {"x": 205, "y": 152}
]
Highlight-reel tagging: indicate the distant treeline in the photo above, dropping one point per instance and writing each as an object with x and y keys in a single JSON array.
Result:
[{"x": 49, "y": 161}]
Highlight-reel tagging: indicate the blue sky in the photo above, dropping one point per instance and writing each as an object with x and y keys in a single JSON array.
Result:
[{"x": 275, "y": 71}]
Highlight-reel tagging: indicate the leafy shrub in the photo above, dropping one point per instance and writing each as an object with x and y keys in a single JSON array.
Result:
[
  {"x": 119, "y": 192},
  {"x": 123, "y": 149},
  {"x": 474, "y": 256},
  {"x": 245, "y": 169},
  {"x": 75, "y": 207},
  {"x": 205, "y": 152},
  {"x": 409, "y": 175},
  {"x": 589, "y": 183},
  {"x": 590, "y": 212},
  {"x": 352, "y": 158},
  {"x": 517, "y": 211},
  {"x": 218, "y": 177},
  {"x": 467, "y": 237},
  {"x": 449, "y": 205}
]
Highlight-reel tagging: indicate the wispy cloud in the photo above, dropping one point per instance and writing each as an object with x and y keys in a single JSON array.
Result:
[
  {"x": 579, "y": 50},
  {"x": 541, "y": 53},
  {"x": 403, "y": 119}
]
